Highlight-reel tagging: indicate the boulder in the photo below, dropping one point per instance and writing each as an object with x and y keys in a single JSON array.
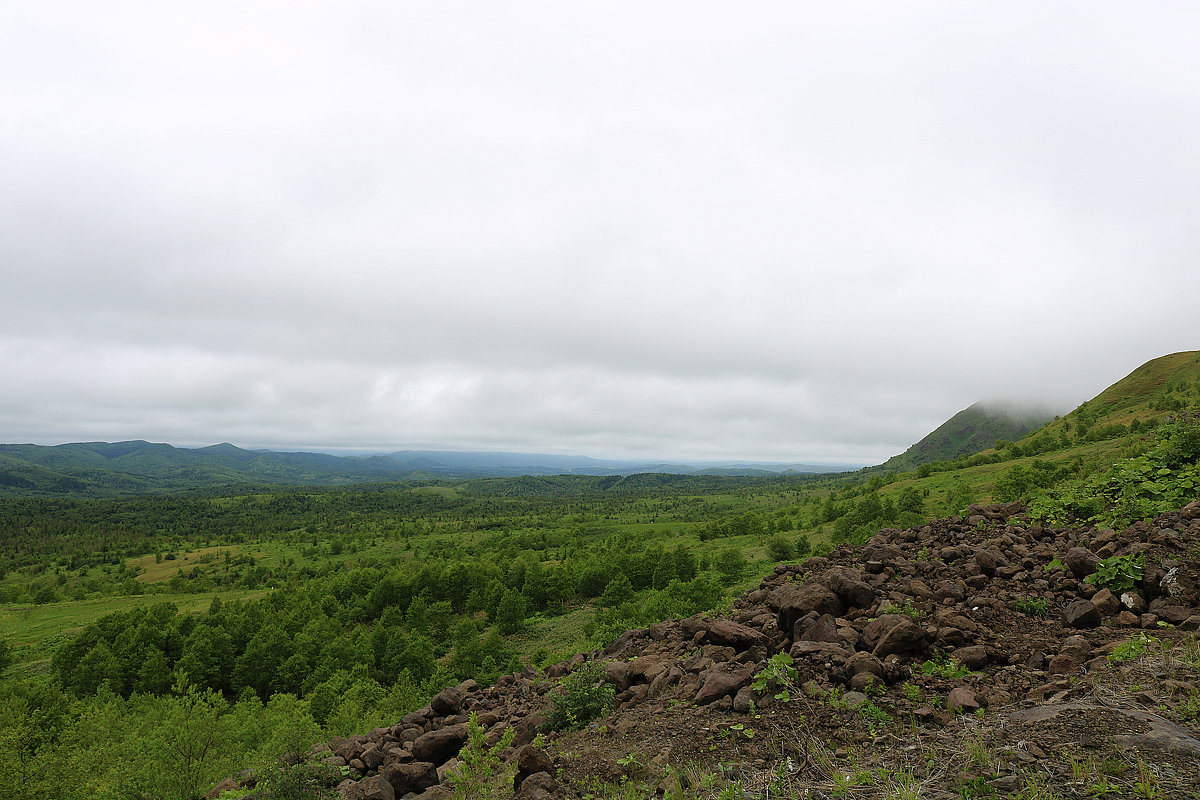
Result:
[
  {"x": 717, "y": 683},
  {"x": 727, "y": 633},
  {"x": 894, "y": 633},
  {"x": 972, "y": 657},
  {"x": 447, "y": 702},
  {"x": 413, "y": 776},
  {"x": 225, "y": 785},
  {"x": 439, "y": 745},
  {"x": 539, "y": 786},
  {"x": 794, "y": 601},
  {"x": 823, "y": 629},
  {"x": 863, "y": 661},
  {"x": 1081, "y": 614},
  {"x": 617, "y": 673},
  {"x": 532, "y": 759},
  {"x": 376, "y": 787},
  {"x": 1106, "y": 603},
  {"x": 850, "y": 588},
  {"x": 1080, "y": 561}
]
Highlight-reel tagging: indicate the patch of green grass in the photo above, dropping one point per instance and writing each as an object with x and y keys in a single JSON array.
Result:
[
  {"x": 1033, "y": 606},
  {"x": 1135, "y": 647}
]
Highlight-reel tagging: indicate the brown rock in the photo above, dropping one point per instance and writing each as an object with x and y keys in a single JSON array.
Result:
[
  {"x": 728, "y": 633},
  {"x": 743, "y": 700},
  {"x": 1106, "y": 603},
  {"x": 532, "y": 759},
  {"x": 439, "y": 745},
  {"x": 371, "y": 757},
  {"x": 1126, "y": 619},
  {"x": 1080, "y": 561},
  {"x": 225, "y": 785},
  {"x": 1174, "y": 614},
  {"x": 824, "y": 629},
  {"x": 955, "y": 590},
  {"x": 375, "y": 787},
  {"x": 794, "y": 601},
  {"x": 987, "y": 562},
  {"x": 860, "y": 681},
  {"x": 1062, "y": 665},
  {"x": 717, "y": 684},
  {"x": 447, "y": 702},
  {"x": 617, "y": 673},
  {"x": 894, "y": 633},
  {"x": 539, "y": 786},
  {"x": 973, "y": 657},
  {"x": 864, "y": 662},
  {"x": 1081, "y": 614},
  {"x": 410, "y": 777},
  {"x": 1133, "y": 602},
  {"x": 850, "y": 588},
  {"x": 962, "y": 700}
]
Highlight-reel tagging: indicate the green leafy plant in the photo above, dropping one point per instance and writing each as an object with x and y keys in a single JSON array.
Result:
[
  {"x": 976, "y": 789},
  {"x": 1118, "y": 573},
  {"x": 778, "y": 671},
  {"x": 584, "y": 697},
  {"x": 874, "y": 715},
  {"x": 944, "y": 666},
  {"x": 479, "y": 776}
]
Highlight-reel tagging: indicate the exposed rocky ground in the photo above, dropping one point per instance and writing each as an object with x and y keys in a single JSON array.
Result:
[{"x": 964, "y": 658}]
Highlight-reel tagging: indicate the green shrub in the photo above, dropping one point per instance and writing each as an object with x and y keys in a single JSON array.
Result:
[
  {"x": 943, "y": 666},
  {"x": 482, "y": 775},
  {"x": 779, "y": 548},
  {"x": 584, "y": 697},
  {"x": 1118, "y": 573}
]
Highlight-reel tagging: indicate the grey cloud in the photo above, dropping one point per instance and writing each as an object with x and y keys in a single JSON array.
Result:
[{"x": 793, "y": 232}]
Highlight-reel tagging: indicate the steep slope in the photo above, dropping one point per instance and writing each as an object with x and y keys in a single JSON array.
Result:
[
  {"x": 1163, "y": 384},
  {"x": 969, "y": 431}
]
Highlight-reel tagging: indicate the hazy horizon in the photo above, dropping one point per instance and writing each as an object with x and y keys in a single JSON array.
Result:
[{"x": 794, "y": 233}]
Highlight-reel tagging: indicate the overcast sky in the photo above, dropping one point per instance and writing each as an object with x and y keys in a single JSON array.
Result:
[{"x": 780, "y": 231}]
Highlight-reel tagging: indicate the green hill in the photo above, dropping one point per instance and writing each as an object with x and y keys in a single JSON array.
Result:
[{"x": 969, "y": 431}]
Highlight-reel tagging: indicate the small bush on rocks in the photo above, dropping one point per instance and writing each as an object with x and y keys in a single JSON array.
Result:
[
  {"x": 584, "y": 697},
  {"x": 1118, "y": 573}
]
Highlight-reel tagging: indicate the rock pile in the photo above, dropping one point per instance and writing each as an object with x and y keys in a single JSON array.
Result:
[{"x": 989, "y": 611}]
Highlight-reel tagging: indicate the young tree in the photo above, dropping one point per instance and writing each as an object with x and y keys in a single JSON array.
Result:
[{"x": 510, "y": 616}]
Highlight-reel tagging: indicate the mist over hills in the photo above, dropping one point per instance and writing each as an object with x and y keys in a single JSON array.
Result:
[
  {"x": 971, "y": 430},
  {"x": 118, "y": 469}
]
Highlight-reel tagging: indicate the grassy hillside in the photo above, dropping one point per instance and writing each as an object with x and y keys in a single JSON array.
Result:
[{"x": 969, "y": 431}]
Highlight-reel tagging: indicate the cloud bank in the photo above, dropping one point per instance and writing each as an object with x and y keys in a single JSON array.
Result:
[{"x": 791, "y": 233}]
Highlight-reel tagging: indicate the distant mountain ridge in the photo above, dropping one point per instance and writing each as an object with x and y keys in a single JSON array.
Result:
[
  {"x": 114, "y": 469},
  {"x": 970, "y": 431}
]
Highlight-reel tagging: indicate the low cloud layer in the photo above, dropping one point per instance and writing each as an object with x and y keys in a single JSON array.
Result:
[{"x": 793, "y": 233}]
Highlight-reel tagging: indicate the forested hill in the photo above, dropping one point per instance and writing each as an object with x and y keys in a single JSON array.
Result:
[
  {"x": 122, "y": 469},
  {"x": 969, "y": 431}
]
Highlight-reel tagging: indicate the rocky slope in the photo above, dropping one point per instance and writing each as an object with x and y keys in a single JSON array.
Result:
[{"x": 962, "y": 658}]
